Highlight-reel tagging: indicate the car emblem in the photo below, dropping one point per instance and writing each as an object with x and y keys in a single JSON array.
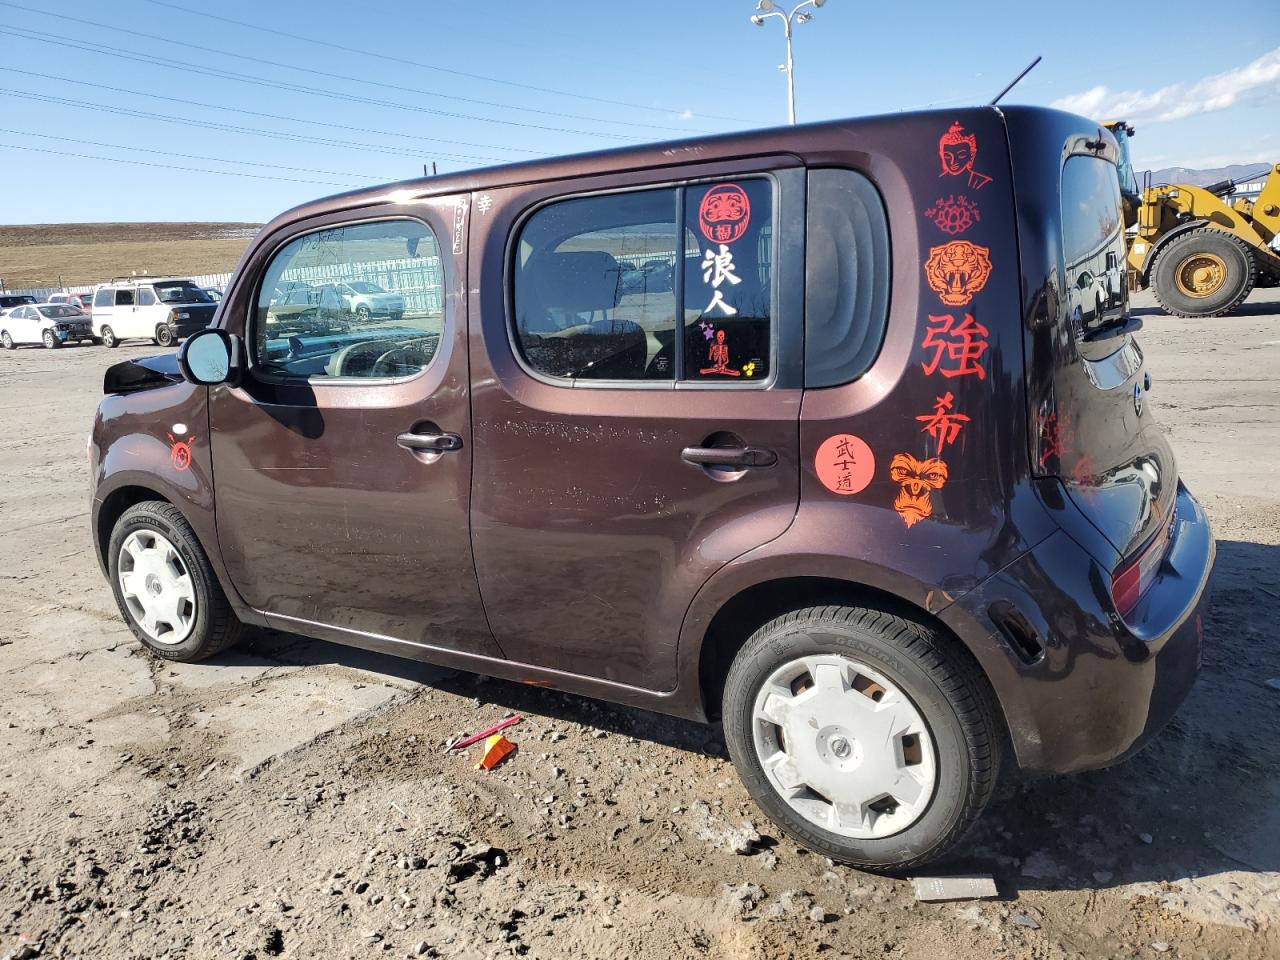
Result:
[{"x": 1137, "y": 399}]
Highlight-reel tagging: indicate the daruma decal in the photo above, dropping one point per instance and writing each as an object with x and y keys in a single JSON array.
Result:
[{"x": 724, "y": 213}]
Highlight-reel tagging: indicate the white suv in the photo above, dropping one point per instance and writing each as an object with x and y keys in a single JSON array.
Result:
[{"x": 160, "y": 309}]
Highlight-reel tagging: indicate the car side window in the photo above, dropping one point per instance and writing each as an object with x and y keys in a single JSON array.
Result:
[
  {"x": 146, "y": 297},
  {"x": 102, "y": 298},
  {"x": 364, "y": 300},
  {"x": 596, "y": 280},
  {"x": 124, "y": 298}
]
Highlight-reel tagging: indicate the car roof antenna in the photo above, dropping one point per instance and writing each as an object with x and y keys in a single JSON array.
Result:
[{"x": 1027, "y": 69}]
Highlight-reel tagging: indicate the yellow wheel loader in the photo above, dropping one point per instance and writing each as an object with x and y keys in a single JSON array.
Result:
[{"x": 1200, "y": 251}]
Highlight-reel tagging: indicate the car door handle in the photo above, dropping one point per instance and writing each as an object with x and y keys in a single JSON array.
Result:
[
  {"x": 729, "y": 456},
  {"x": 430, "y": 442}
]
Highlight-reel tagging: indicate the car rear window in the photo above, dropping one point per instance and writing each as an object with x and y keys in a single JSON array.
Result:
[{"x": 1092, "y": 241}]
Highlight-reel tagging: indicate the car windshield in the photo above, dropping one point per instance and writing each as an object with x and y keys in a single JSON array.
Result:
[
  {"x": 59, "y": 311},
  {"x": 15, "y": 301},
  {"x": 364, "y": 286},
  {"x": 181, "y": 292}
]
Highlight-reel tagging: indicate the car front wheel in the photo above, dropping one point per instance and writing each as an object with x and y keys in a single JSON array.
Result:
[
  {"x": 164, "y": 336},
  {"x": 7, "y": 340},
  {"x": 165, "y": 588},
  {"x": 51, "y": 340},
  {"x": 865, "y": 736}
]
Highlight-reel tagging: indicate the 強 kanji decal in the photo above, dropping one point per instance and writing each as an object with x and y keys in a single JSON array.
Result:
[{"x": 957, "y": 347}]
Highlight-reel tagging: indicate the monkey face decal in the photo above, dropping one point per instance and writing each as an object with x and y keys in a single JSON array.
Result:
[
  {"x": 957, "y": 270},
  {"x": 917, "y": 479}
]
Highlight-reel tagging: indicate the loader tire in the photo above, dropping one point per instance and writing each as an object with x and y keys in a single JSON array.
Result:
[{"x": 1203, "y": 273}]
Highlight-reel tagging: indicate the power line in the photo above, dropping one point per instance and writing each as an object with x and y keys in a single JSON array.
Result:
[
  {"x": 230, "y": 128},
  {"x": 277, "y": 116},
  {"x": 187, "y": 44},
  {"x": 294, "y": 87},
  {"x": 169, "y": 166},
  {"x": 196, "y": 156},
  {"x": 429, "y": 66}
]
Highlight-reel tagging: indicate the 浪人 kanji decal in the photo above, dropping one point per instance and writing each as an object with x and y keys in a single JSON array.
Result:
[{"x": 844, "y": 464}]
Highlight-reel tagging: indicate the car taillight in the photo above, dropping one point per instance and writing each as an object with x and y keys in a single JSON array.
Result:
[{"x": 1134, "y": 577}]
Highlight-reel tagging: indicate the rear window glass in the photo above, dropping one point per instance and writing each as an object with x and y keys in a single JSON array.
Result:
[
  {"x": 124, "y": 298},
  {"x": 102, "y": 298},
  {"x": 846, "y": 277},
  {"x": 145, "y": 297},
  {"x": 624, "y": 287},
  {"x": 1092, "y": 241}
]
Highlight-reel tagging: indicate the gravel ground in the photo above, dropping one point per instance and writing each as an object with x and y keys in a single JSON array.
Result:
[{"x": 290, "y": 798}]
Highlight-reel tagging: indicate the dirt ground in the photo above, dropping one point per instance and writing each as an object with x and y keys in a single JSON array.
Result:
[{"x": 291, "y": 798}]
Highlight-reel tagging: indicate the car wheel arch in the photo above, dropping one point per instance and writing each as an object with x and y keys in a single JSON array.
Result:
[{"x": 756, "y": 604}]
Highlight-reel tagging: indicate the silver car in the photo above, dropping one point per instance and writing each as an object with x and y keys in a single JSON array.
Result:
[{"x": 360, "y": 300}]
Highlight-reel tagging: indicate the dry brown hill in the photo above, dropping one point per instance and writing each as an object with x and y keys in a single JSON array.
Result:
[{"x": 52, "y": 254}]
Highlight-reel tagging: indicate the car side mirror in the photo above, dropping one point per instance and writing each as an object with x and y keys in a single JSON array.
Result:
[{"x": 210, "y": 357}]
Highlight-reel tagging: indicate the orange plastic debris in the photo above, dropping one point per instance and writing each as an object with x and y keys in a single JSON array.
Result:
[{"x": 496, "y": 749}]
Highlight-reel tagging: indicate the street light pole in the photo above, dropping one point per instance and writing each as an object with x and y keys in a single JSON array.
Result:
[{"x": 767, "y": 9}]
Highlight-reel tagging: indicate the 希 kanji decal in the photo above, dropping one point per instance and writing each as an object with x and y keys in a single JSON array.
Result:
[
  {"x": 953, "y": 214},
  {"x": 957, "y": 347},
  {"x": 957, "y": 270},
  {"x": 958, "y": 150},
  {"x": 844, "y": 464},
  {"x": 916, "y": 480},
  {"x": 943, "y": 424},
  {"x": 180, "y": 454},
  {"x": 718, "y": 356},
  {"x": 724, "y": 213}
]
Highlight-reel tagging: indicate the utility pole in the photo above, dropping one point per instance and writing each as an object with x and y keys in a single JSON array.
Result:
[{"x": 767, "y": 8}]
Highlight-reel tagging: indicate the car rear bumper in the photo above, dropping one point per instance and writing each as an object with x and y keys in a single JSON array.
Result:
[{"x": 1100, "y": 686}]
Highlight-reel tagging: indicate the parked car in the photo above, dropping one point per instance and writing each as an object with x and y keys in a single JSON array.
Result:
[
  {"x": 163, "y": 310},
  {"x": 854, "y": 486},
  {"x": 52, "y": 324},
  {"x": 10, "y": 300},
  {"x": 359, "y": 300},
  {"x": 84, "y": 303},
  {"x": 214, "y": 293}
]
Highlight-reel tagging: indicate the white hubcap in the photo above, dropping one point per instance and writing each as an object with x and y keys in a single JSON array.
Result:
[
  {"x": 157, "y": 587},
  {"x": 844, "y": 747}
]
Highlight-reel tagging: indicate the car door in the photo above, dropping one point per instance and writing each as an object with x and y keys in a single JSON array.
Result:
[
  {"x": 103, "y": 309},
  {"x": 124, "y": 315},
  {"x": 22, "y": 327},
  {"x": 342, "y": 461},
  {"x": 635, "y": 428}
]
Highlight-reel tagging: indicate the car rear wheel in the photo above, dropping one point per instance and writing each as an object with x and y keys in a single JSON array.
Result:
[
  {"x": 164, "y": 336},
  {"x": 109, "y": 338},
  {"x": 50, "y": 340},
  {"x": 862, "y": 734},
  {"x": 165, "y": 587},
  {"x": 362, "y": 313},
  {"x": 7, "y": 340},
  {"x": 1203, "y": 273}
]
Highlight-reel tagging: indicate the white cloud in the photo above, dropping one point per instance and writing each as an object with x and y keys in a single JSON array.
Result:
[
  {"x": 1259, "y": 79},
  {"x": 685, "y": 114}
]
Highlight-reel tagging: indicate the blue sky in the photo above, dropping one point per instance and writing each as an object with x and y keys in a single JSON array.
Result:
[{"x": 608, "y": 73}]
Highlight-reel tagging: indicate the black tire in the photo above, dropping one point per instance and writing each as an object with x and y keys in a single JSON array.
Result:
[
  {"x": 1174, "y": 258},
  {"x": 109, "y": 339},
  {"x": 947, "y": 690},
  {"x": 7, "y": 340},
  {"x": 362, "y": 313},
  {"x": 216, "y": 626},
  {"x": 164, "y": 336},
  {"x": 50, "y": 340}
]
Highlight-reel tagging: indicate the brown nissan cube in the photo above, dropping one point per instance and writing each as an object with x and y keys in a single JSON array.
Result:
[{"x": 835, "y": 434}]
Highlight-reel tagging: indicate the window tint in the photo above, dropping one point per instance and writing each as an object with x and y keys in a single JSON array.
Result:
[
  {"x": 124, "y": 298},
  {"x": 146, "y": 297},
  {"x": 596, "y": 280},
  {"x": 355, "y": 301},
  {"x": 846, "y": 277},
  {"x": 595, "y": 287},
  {"x": 728, "y": 281},
  {"x": 102, "y": 298}
]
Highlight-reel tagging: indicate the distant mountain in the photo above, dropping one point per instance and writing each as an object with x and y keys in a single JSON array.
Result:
[{"x": 1239, "y": 172}]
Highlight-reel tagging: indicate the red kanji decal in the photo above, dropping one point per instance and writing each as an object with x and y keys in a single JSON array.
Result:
[
  {"x": 953, "y": 214},
  {"x": 724, "y": 213},
  {"x": 943, "y": 424},
  {"x": 961, "y": 344},
  {"x": 1050, "y": 438},
  {"x": 958, "y": 150}
]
